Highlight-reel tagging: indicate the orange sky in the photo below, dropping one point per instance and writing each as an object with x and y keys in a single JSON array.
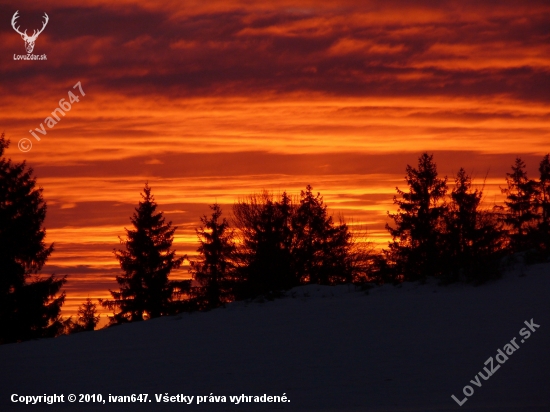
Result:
[{"x": 213, "y": 101}]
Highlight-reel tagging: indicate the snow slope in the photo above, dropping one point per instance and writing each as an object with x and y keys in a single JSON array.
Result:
[{"x": 403, "y": 348}]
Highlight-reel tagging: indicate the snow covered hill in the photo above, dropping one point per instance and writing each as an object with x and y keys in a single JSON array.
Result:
[{"x": 406, "y": 348}]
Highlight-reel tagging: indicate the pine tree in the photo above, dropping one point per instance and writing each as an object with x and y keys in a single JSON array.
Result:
[
  {"x": 544, "y": 191},
  {"x": 145, "y": 290},
  {"x": 461, "y": 226},
  {"x": 521, "y": 194},
  {"x": 87, "y": 317},
  {"x": 285, "y": 243},
  {"x": 30, "y": 306},
  {"x": 542, "y": 232},
  {"x": 215, "y": 271},
  {"x": 322, "y": 248},
  {"x": 463, "y": 215},
  {"x": 414, "y": 252},
  {"x": 266, "y": 245},
  {"x": 474, "y": 238}
]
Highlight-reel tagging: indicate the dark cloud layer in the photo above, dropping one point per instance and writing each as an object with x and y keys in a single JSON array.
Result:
[
  {"x": 186, "y": 165},
  {"x": 418, "y": 50}
]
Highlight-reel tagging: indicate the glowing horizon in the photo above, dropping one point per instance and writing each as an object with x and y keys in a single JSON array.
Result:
[{"x": 213, "y": 102}]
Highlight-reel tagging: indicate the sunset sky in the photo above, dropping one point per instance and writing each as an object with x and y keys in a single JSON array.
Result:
[{"x": 212, "y": 101}]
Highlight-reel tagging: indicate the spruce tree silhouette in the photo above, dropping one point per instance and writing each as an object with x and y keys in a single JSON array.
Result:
[
  {"x": 414, "y": 253},
  {"x": 285, "y": 243},
  {"x": 266, "y": 246},
  {"x": 29, "y": 307},
  {"x": 544, "y": 193},
  {"x": 322, "y": 248},
  {"x": 87, "y": 317},
  {"x": 215, "y": 270},
  {"x": 463, "y": 211},
  {"x": 474, "y": 237},
  {"x": 145, "y": 290},
  {"x": 521, "y": 216},
  {"x": 543, "y": 238}
]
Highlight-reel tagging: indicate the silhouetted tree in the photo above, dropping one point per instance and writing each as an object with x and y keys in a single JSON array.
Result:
[
  {"x": 322, "y": 248},
  {"x": 29, "y": 307},
  {"x": 415, "y": 252},
  {"x": 215, "y": 270},
  {"x": 284, "y": 244},
  {"x": 474, "y": 237},
  {"x": 541, "y": 233},
  {"x": 266, "y": 246},
  {"x": 87, "y": 318},
  {"x": 463, "y": 214},
  {"x": 521, "y": 194},
  {"x": 544, "y": 191},
  {"x": 145, "y": 290}
]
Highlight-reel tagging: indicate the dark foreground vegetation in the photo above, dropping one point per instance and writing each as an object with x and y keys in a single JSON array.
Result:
[{"x": 270, "y": 244}]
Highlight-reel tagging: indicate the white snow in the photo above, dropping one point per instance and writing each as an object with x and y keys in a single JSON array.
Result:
[{"x": 405, "y": 348}]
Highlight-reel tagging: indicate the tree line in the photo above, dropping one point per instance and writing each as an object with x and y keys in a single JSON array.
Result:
[
  {"x": 269, "y": 244},
  {"x": 451, "y": 236},
  {"x": 273, "y": 245}
]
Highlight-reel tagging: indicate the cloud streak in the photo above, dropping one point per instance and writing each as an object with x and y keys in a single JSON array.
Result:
[{"x": 213, "y": 101}]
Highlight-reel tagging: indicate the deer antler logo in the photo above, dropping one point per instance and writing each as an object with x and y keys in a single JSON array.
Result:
[{"x": 29, "y": 40}]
